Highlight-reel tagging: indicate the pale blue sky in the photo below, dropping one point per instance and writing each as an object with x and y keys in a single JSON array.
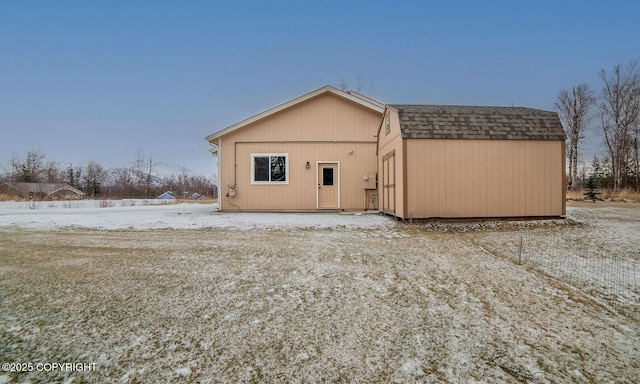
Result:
[{"x": 97, "y": 80}]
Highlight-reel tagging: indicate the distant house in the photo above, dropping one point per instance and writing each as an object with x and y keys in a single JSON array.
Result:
[
  {"x": 335, "y": 150},
  {"x": 42, "y": 191},
  {"x": 168, "y": 195},
  {"x": 9, "y": 190}
]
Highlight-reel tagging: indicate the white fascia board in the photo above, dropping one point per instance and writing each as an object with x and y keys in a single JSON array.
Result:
[
  {"x": 366, "y": 98},
  {"x": 361, "y": 100}
]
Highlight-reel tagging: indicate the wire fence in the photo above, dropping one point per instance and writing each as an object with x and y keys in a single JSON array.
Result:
[{"x": 610, "y": 277}]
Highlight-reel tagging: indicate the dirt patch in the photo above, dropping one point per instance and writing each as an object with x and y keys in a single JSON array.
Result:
[{"x": 401, "y": 304}]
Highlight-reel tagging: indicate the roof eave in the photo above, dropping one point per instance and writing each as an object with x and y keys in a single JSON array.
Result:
[{"x": 367, "y": 99}]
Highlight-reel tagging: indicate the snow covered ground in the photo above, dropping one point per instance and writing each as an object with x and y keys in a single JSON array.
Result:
[
  {"x": 182, "y": 293},
  {"x": 156, "y": 214},
  {"x": 598, "y": 251}
]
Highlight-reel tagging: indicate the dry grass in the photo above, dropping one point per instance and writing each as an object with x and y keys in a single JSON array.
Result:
[
  {"x": 619, "y": 196},
  {"x": 5, "y": 197},
  {"x": 331, "y": 305},
  {"x": 624, "y": 195},
  {"x": 203, "y": 201}
]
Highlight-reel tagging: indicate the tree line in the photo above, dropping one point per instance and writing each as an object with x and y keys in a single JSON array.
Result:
[
  {"x": 138, "y": 180},
  {"x": 615, "y": 112}
]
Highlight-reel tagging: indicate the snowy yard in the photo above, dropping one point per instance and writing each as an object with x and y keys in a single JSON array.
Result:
[
  {"x": 181, "y": 293},
  {"x": 599, "y": 253}
]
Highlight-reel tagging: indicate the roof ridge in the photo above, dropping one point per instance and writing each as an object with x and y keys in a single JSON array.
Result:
[{"x": 468, "y": 106}]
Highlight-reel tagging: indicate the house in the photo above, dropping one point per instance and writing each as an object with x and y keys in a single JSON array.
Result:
[
  {"x": 65, "y": 192},
  {"x": 316, "y": 152},
  {"x": 470, "y": 162},
  {"x": 8, "y": 189},
  {"x": 335, "y": 150},
  {"x": 42, "y": 191},
  {"x": 168, "y": 195}
]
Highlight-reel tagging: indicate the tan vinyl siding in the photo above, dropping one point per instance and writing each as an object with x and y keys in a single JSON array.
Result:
[
  {"x": 324, "y": 128},
  {"x": 326, "y": 117},
  {"x": 484, "y": 178}
]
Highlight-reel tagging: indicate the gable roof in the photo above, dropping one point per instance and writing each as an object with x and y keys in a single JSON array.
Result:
[
  {"x": 168, "y": 195},
  {"x": 355, "y": 97},
  {"x": 65, "y": 187},
  {"x": 470, "y": 122},
  {"x": 7, "y": 186},
  {"x": 43, "y": 188}
]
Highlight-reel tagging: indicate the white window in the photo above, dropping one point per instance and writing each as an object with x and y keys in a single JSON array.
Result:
[
  {"x": 269, "y": 168},
  {"x": 387, "y": 125}
]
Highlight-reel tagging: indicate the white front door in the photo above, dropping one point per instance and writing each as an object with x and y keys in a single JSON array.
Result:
[{"x": 328, "y": 185}]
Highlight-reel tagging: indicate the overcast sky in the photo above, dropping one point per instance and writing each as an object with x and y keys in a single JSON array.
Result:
[{"x": 98, "y": 80}]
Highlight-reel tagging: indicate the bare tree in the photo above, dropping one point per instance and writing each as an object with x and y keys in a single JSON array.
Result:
[
  {"x": 93, "y": 179},
  {"x": 148, "y": 179},
  {"x": 32, "y": 167},
  {"x": 15, "y": 169},
  {"x": 51, "y": 172},
  {"x": 574, "y": 106},
  {"x": 122, "y": 180},
  {"x": 360, "y": 86},
  {"x": 344, "y": 86},
  {"x": 636, "y": 147},
  {"x": 138, "y": 167},
  {"x": 619, "y": 113}
]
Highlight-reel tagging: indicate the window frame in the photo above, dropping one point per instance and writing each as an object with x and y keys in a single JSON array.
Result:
[{"x": 269, "y": 156}]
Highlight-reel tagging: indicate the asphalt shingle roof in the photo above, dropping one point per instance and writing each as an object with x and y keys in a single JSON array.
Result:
[{"x": 469, "y": 122}]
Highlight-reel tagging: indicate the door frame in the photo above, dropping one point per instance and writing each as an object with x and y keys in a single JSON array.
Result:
[
  {"x": 337, "y": 177},
  {"x": 389, "y": 186}
]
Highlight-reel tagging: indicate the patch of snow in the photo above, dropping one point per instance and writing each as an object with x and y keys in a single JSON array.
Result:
[
  {"x": 153, "y": 214},
  {"x": 185, "y": 371},
  {"x": 412, "y": 367}
]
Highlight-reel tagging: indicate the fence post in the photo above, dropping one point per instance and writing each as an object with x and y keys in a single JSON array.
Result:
[{"x": 520, "y": 252}]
